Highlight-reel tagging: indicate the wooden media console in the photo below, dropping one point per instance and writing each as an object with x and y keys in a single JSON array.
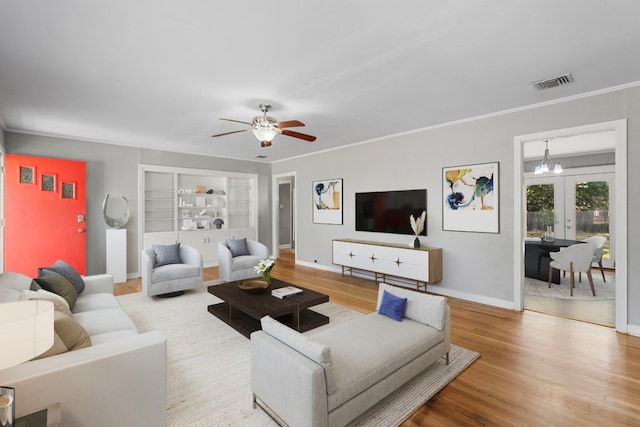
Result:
[{"x": 422, "y": 265}]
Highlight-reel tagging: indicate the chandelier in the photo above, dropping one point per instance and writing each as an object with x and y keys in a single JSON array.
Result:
[{"x": 547, "y": 164}]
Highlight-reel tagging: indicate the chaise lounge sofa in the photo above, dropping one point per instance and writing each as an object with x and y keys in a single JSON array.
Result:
[
  {"x": 330, "y": 377},
  {"x": 120, "y": 379}
]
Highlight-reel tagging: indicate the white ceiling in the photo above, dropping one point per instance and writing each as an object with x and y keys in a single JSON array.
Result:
[{"x": 159, "y": 73}]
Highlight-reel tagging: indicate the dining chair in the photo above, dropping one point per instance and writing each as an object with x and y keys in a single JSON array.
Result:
[
  {"x": 574, "y": 258},
  {"x": 598, "y": 242}
]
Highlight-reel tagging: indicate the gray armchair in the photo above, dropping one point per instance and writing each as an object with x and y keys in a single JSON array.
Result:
[
  {"x": 240, "y": 267},
  {"x": 171, "y": 279}
]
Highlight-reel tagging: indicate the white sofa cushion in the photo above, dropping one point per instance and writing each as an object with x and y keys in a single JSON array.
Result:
[
  {"x": 421, "y": 307},
  {"x": 106, "y": 320},
  {"x": 369, "y": 348},
  {"x": 244, "y": 261},
  {"x": 315, "y": 351},
  {"x": 112, "y": 336},
  {"x": 15, "y": 281},
  {"x": 90, "y": 302},
  {"x": 169, "y": 272}
]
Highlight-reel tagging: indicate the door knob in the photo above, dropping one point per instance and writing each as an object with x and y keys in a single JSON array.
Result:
[{"x": 81, "y": 230}]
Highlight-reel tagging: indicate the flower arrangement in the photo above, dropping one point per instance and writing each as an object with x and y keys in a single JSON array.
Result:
[
  {"x": 264, "y": 267},
  {"x": 417, "y": 225}
]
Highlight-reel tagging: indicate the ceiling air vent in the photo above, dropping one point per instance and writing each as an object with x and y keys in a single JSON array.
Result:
[{"x": 553, "y": 82}]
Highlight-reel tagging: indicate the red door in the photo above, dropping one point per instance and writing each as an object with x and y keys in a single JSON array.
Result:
[{"x": 45, "y": 213}]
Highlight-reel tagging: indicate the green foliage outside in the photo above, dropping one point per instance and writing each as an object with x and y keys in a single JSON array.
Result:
[
  {"x": 592, "y": 196},
  {"x": 539, "y": 197}
]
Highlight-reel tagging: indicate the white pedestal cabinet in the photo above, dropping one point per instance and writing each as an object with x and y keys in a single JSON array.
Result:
[
  {"x": 422, "y": 265},
  {"x": 117, "y": 254},
  {"x": 196, "y": 207}
]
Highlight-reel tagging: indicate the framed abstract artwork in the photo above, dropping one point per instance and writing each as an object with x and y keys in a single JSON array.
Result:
[
  {"x": 327, "y": 201},
  {"x": 470, "y": 198}
]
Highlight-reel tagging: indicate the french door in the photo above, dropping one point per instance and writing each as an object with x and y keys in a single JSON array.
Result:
[{"x": 576, "y": 206}]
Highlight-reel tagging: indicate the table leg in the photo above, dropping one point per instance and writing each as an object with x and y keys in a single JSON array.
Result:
[{"x": 296, "y": 318}]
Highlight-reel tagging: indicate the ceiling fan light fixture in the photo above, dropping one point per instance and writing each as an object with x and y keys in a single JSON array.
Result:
[
  {"x": 265, "y": 135},
  {"x": 265, "y": 128}
]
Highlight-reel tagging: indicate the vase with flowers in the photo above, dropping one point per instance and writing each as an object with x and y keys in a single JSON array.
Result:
[
  {"x": 264, "y": 268},
  {"x": 417, "y": 225},
  {"x": 548, "y": 219}
]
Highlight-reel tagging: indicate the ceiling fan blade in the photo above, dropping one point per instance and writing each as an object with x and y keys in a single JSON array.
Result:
[
  {"x": 237, "y": 121},
  {"x": 289, "y": 124},
  {"x": 229, "y": 133},
  {"x": 298, "y": 135}
]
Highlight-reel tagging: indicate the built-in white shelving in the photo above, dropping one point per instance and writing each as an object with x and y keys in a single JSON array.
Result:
[{"x": 196, "y": 207}]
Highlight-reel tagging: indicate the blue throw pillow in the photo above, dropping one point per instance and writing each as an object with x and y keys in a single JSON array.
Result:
[
  {"x": 392, "y": 306},
  {"x": 67, "y": 272},
  {"x": 167, "y": 254},
  {"x": 238, "y": 247}
]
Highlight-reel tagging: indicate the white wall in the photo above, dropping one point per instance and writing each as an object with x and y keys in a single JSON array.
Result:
[{"x": 476, "y": 266}]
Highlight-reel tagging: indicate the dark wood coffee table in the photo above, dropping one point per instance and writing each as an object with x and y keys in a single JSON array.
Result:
[{"x": 243, "y": 311}]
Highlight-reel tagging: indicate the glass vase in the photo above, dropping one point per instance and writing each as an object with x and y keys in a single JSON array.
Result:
[{"x": 548, "y": 235}]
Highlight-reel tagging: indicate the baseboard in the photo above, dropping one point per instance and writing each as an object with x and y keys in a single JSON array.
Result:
[
  {"x": 633, "y": 330},
  {"x": 436, "y": 289}
]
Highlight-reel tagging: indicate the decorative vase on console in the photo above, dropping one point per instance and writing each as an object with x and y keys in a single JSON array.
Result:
[
  {"x": 417, "y": 225},
  {"x": 549, "y": 235}
]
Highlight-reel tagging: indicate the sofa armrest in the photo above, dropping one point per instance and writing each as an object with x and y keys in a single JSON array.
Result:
[
  {"x": 98, "y": 284},
  {"x": 122, "y": 382},
  {"x": 224, "y": 261},
  {"x": 257, "y": 249},
  {"x": 190, "y": 255},
  {"x": 288, "y": 383}
]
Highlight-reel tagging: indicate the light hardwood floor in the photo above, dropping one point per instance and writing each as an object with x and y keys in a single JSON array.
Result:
[{"x": 534, "y": 369}]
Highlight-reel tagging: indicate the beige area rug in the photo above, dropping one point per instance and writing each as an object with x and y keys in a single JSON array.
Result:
[
  {"x": 581, "y": 291},
  {"x": 208, "y": 365}
]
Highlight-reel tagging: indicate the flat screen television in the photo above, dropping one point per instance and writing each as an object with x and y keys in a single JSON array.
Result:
[{"x": 388, "y": 211}]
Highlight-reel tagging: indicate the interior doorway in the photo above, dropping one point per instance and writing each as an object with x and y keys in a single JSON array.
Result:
[
  {"x": 573, "y": 206},
  {"x": 588, "y": 165},
  {"x": 285, "y": 216},
  {"x": 284, "y": 212}
]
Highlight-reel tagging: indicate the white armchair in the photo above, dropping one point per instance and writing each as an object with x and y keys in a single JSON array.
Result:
[
  {"x": 171, "y": 279},
  {"x": 240, "y": 267},
  {"x": 575, "y": 258}
]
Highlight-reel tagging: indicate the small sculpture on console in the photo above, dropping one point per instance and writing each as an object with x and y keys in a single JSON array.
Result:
[{"x": 417, "y": 225}]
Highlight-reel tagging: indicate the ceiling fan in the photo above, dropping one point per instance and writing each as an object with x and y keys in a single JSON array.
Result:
[{"x": 265, "y": 128}]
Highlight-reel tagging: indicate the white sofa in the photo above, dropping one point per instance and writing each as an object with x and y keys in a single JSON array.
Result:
[
  {"x": 119, "y": 380},
  {"x": 332, "y": 376}
]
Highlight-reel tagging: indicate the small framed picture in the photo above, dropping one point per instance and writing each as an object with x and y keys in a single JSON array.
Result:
[
  {"x": 26, "y": 174},
  {"x": 48, "y": 182},
  {"x": 327, "y": 201},
  {"x": 68, "y": 190}
]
